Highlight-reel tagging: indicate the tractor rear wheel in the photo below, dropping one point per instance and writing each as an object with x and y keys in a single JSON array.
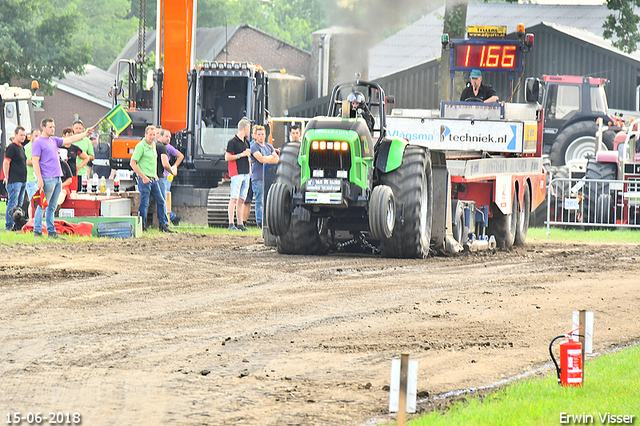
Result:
[
  {"x": 504, "y": 226},
  {"x": 577, "y": 141},
  {"x": 596, "y": 190},
  {"x": 412, "y": 188},
  {"x": 523, "y": 217},
  {"x": 301, "y": 237},
  {"x": 382, "y": 212}
]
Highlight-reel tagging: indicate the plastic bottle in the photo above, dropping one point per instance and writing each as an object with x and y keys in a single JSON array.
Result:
[
  {"x": 94, "y": 183},
  {"x": 116, "y": 184},
  {"x": 492, "y": 242},
  {"x": 103, "y": 184},
  {"x": 85, "y": 182}
]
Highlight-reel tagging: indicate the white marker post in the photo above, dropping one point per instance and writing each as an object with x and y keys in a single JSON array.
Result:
[
  {"x": 584, "y": 319},
  {"x": 403, "y": 387}
]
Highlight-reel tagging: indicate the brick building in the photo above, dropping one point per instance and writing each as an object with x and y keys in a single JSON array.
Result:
[
  {"x": 78, "y": 96},
  {"x": 240, "y": 43}
]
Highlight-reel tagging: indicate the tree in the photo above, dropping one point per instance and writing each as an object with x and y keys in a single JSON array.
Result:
[
  {"x": 623, "y": 24},
  {"x": 37, "y": 42}
]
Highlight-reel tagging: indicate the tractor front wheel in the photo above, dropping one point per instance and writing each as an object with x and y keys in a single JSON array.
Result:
[
  {"x": 302, "y": 236},
  {"x": 278, "y": 209},
  {"x": 382, "y": 212}
]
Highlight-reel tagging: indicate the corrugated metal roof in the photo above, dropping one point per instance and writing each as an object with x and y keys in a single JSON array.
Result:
[
  {"x": 594, "y": 39},
  {"x": 94, "y": 85},
  {"x": 420, "y": 42}
]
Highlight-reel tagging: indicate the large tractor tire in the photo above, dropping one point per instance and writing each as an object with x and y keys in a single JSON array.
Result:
[
  {"x": 577, "y": 141},
  {"x": 382, "y": 212},
  {"x": 412, "y": 188},
  {"x": 301, "y": 237},
  {"x": 505, "y": 226},
  {"x": 523, "y": 217},
  {"x": 595, "y": 192},
  {"x": 278, "y": 209}
]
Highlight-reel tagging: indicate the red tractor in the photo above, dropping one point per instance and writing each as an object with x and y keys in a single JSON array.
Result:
[{"x": 612, "y": 179}]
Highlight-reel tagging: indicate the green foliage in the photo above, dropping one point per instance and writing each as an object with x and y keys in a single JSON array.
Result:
[
  {"x": 623, "y": 25},
  {"x": 612, "y": 385},
  {"x": 37, "y": 41}
]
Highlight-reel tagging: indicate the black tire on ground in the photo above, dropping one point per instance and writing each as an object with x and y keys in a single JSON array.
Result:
[
  {"x": 412, "y": 188},
  {"x": 538, "y": 216},
  {"x": 523, "y": 217},
  {"x": 504, "y": 226},
  {"x": 278, "y": 209},
  {"x": 596, "y": 171},
  {"x": 603, "y": 209},
  {"x": 576, "y": 141},
  {"x": 459, "y": 229},
  {"x": 302, "y": 236},
  {"x": 382, "y": 212}
]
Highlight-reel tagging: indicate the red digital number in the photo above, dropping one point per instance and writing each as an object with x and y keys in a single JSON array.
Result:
[
  {"x": 508, "y": 57},
  {"x": 493, "y": 59}
]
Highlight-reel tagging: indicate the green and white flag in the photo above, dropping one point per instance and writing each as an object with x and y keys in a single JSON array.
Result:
[{"x": 118, "y": 118}]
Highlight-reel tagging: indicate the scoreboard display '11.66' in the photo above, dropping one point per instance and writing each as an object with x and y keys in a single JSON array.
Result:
[{"x": 487, "y": 55}]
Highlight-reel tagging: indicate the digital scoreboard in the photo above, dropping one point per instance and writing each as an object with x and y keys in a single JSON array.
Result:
[{"x": 486, "y": 55}]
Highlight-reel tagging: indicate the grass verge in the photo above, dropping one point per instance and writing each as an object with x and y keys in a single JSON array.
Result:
[
  {"x": 585, "y": 236},
  {"x": 612, "y": 385}
]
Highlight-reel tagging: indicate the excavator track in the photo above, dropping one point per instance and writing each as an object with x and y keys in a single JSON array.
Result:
[{"x": 218, "y": 204}]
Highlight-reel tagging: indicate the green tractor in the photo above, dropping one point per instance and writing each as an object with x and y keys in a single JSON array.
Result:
[{"x": 348, "y": 187}]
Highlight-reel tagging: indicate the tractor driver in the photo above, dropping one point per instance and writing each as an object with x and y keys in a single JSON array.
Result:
[
  {"x": 359, "y": 109},
  {"x": 478, "y": 92}
]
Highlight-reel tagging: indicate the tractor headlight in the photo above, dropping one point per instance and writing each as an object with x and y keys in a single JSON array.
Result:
[
  {"x": 342, "y": 174},
  {"x": 318, "y": 173}
]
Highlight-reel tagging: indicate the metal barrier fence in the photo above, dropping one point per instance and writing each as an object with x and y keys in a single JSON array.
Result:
[{"x": 593, "y": 203}]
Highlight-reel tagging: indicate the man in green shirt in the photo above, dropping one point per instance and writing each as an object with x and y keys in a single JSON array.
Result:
[
  {"x": 143, "y": 162},
  {"x": 87, "y": 147}
]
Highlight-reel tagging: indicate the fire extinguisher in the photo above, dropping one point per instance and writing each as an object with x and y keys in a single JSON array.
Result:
[{"x": 571, "y": 362}]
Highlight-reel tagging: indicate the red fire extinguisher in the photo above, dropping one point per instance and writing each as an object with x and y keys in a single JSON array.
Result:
[{"x": 570, "y": 371}]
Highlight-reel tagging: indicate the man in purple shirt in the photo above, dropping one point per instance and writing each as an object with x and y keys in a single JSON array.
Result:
[{"x": 46, "y": 166}]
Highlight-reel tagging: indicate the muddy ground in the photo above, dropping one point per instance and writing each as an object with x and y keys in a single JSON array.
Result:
[{"x": 220, "y": 330}]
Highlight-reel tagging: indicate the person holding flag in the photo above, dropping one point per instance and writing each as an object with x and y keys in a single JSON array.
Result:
[{"x": 46, "y": 166}]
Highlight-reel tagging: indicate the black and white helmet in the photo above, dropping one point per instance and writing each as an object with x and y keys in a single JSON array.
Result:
[{"x": 356, "y": 97}]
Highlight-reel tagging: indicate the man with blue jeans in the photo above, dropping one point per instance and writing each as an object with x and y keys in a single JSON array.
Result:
[
  {"x": 46, "y": 166},
  {"x": 143, "y": 162},
  {"x": 261, "y": 153},
  {"x": 15, "y": 174},
  {"x": 163, "y": 173},
  {"x": 237, "y": 157}
]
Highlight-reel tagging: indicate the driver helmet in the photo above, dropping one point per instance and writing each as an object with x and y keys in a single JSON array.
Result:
[{"x": 356, "y": 97}]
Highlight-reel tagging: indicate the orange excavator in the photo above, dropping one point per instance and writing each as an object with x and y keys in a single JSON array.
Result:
[{"x": 200, "y": 104}]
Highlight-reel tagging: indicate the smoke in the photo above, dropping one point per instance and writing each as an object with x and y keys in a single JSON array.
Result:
[{"x": 374, "y": 21}]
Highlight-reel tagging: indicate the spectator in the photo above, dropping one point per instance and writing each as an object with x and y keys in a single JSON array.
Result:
[
  {"x": 165, "y": 139},
  {"x": 246, "y": 203},
  {"x": 261, "y": 153},
  {"x": 46, "y": 166},
  {"x": 67, "y": 177},
  {"x": 237, "y": 156},
  {"x": 85, "y": 145},
  {"x": 294, "y": 133},
  {"x": 100, "y": 164},
  {"x": 74, "y": 152},
  {"x": 144, "y": 162},
  {"x": 15, "y": 174},
  {"x": 31, "y": 186}
]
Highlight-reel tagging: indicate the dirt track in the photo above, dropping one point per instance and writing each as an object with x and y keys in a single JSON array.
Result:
[{"x": 189, "y": 329}]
